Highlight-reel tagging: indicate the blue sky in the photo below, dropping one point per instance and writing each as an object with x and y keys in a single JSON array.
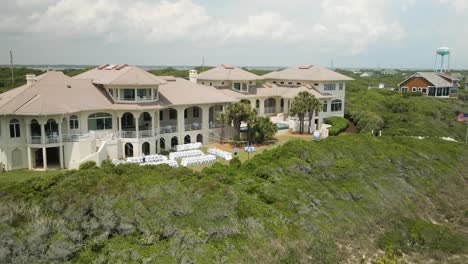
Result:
[{"x": 352, "y": 33}]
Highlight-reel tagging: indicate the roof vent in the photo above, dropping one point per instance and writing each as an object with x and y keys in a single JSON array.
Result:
[
  {"x": 102, "y": 66},
  {"x": 305, "y": 67},
  {"x": 121, "y": 66},
  {"x": 111, "y": 67},
  {"x": 30, "y": 78},
  {"x": 68, "y": 86},
  {"x": 228, "y": 66}
]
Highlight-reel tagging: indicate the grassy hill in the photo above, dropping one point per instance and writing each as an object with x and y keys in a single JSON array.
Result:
[
  {"x": 400, "y": 114},
  {"x": 388, "y": 198}
]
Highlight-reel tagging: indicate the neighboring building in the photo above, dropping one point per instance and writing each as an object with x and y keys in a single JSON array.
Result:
[
  {"x": 274, "y": 96},
  {"x": 389, "y": 72},
  {"x": 112, "y": 111},
  {"x": 367, "y": 74},
  {"x": 434, "y": 84}
]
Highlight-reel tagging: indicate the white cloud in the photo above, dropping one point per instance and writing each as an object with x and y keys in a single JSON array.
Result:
[
  {"x": 458, "y": 5},
  {"x": 344, "y": 26}
]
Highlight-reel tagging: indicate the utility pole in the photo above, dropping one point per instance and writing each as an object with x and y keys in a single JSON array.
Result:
[{"x": 12, "y": 72}]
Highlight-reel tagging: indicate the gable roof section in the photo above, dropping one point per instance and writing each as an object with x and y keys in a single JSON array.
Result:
[
  {"x": 307, "y": 73},
  {"x": 121, "y": 75},
  {"x": 434, "y": 78},
  {"x": 227, "y": 72},
  {"x": 53, "y": 93},
  {"x": 184, "y": 92}
]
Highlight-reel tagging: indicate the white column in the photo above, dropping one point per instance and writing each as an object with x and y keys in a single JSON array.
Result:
[
  {"x": 44, "y": 157},
  {"x": 60, "y": 132},
  {"x": 137, "y": 128},
  {"x": 61, "y": 157},
  {"x": 180, "y": 121},
  {"x": 30, "y": 165},
  {"x": 153, "y": 120},
  {"x": 28, "y": 134},
  {"x": 262, "y": 107},
  {"x": 119, "y": 121},
  {"x": 157, "y": 122},
  {"x": 205, "y": 117},
  {"x": 43, "y": 135}
]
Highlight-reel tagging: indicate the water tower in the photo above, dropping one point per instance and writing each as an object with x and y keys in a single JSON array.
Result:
[{"x": 441, "y": 53}]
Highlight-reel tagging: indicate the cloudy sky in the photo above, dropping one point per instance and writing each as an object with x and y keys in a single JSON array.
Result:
[{"x": 352, "y": 33}]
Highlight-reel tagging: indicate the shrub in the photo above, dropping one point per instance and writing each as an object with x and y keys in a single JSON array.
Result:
[
  {"x": 339, "y": 124},
  {"x": 87, "y": 165}
]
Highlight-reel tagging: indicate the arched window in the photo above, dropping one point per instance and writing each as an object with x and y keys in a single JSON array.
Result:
[
  {"x": 74, "y": 122},
  {"x": 129, "y": 150},
  {"x": 99, "y": 121},
  {"x": 336, "y": 105},
  {"x": 145, "y": 148},
  {"x": 162, "y": 144},
  {"x": 187, "y": 139},
  {"x": 15, "y": 128}
]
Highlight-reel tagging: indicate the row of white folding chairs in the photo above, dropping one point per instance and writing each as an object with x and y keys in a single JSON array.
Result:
[
  {"x": 171, "y": 163},
  {"x": 185, "y": 154},
  {"x": 155, "y": 158},
  {"x": 135, "y": 160},
  {"x": 198, "y": 160},
  {"x": 220, "y": 153},
  {"x": 189, "y": 146},
  {"x": 118, "y": 162}
]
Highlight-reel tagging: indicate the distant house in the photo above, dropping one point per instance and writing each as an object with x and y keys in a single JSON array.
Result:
[
  {"x": 389, "y": 72},
  {"x": 367, "y": 74},
  {"x": 431, "y": 84}
]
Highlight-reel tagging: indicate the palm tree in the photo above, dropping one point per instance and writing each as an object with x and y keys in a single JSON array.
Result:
[
  {"x": 263, "y": 129},
  {"x": 237, "y": 113},
  {"x": 223, "y": 119},
  {"x": 299, "y": 106},
  {"x": 314, "y": 105}
]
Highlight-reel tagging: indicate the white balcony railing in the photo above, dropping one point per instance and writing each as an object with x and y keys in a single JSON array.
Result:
[
  {"x": 145, "y": 134},
  {"x": 192, "y": 127},
  {"x": 168, "y": 129},
  {"x": 128, "y": 134}
]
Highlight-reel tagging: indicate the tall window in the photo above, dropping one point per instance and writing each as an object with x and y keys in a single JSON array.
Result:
[
  {"x": 100, "y": 121},
  {"x": 15, "y": 128},
  {"x": 196, "y": 112},
  {"x": 336, "y": 105},
  {"x": 161, "y": 115},
  {"x": 325, "y": 106},
  {"x": 329, "y": 86},
  {"x": 172, "y": 114},
  {"x": 73, "y": 122},
  {"x": 341, "y": 86}
]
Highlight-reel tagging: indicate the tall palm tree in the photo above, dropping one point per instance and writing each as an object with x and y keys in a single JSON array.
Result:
[
  {"x": 237, "y": 113},
  {"x": 299, "y": 107},
  {"x": 314, "y": 105}
]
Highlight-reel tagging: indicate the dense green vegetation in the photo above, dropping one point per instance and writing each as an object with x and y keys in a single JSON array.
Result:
[
  {"x": 329, "y": 201},
  {"x": 339, "y": 124},
  {"x": 19, "y": 77}
]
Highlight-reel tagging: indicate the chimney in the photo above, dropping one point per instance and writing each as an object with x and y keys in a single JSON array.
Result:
[
  {"x": 193, "y": 76},
  {"x": 30, "y": 78}
]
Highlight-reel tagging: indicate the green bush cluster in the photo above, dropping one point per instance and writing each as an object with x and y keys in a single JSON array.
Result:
[
  {"x": 339, "y": 124},
  {"x": 303, "y": 202}
]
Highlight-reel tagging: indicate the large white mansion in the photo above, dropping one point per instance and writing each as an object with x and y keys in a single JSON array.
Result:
[{"x": 116, "y": 111}]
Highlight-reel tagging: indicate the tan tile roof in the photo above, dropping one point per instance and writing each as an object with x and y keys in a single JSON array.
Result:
[
  {"x": 183, "y": 92},
  {"x": 123, "y": 75},
  {"x": 306, "y": 73},
  {"x": 272, "y": 90},
  {"x": 228, "y": 73},
  {"x": 54, "y": 93}
]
